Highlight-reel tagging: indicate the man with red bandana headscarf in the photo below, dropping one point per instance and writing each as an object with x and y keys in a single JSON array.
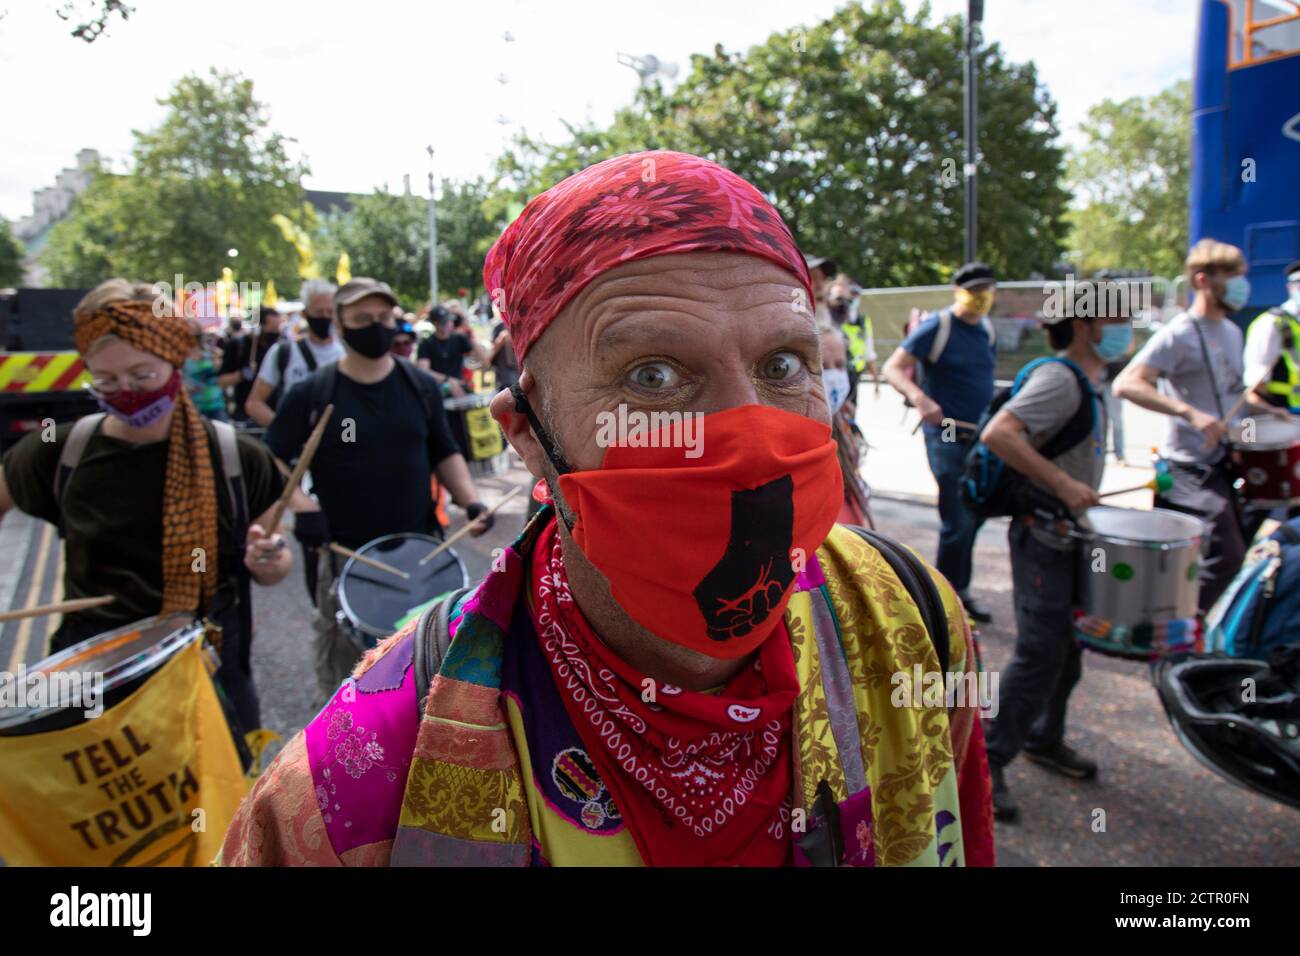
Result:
[{"x": 682, "y": 660}]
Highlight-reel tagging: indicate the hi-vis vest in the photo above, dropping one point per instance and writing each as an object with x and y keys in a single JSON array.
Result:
[
  {"x": 1283, "y": 386},
  {"x": 857, "y": 330},
  {"x": 890, "y": 768}
]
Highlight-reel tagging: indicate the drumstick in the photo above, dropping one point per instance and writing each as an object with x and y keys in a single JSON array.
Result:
[
  {"x": 1162, "y": 482},
  {"x": 349, "y": 553},
  {"x": 465, "y": 530},
  {"x": 1241, "y": 401},
  {"x": 59, "y": 607},
  {"x": 956, "y": 421},
  {"x": 295, "y": 476}
]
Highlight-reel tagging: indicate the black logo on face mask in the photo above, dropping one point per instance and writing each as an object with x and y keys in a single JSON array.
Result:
[{"x": 755, "y": 571}]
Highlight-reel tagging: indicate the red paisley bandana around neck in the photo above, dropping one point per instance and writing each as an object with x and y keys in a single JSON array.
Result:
[
  {"x": 701, "y": 779},
  {"x": 629, "y": 207}
]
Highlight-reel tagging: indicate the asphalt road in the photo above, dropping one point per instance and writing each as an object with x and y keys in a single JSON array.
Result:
[{"x": 1161, "y": 806}]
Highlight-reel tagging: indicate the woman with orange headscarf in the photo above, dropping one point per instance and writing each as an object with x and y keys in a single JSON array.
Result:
[{"x": 145, "y": 512}]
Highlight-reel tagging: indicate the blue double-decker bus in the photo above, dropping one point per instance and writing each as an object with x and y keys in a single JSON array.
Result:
[{"x": 1245, "y": 186}]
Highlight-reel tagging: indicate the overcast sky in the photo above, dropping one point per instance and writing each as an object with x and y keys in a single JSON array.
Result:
[{"x": 365, "y": 85}]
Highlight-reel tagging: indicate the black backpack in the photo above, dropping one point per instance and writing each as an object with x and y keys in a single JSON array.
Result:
[{"x": 989, "y": 487}]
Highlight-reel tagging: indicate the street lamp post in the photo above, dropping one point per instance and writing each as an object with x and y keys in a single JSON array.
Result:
[
  {"x": 433, "y": 236},
  {"x": 974, "y": 15}
]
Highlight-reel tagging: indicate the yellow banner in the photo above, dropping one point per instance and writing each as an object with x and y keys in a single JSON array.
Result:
[
  {"x": 153, "y": 781},
  {"x": 485, "y": 439}
]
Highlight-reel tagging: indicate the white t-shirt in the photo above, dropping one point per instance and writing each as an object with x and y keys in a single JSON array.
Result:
[
  {"x": 1264, "y": 346},
  {"x": 297, "y": 370}
]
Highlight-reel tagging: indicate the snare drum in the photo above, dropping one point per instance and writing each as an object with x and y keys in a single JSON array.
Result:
[
  {"x": 1138, "y": 582},
  {"x": 477, "y": 433},
  {"x": 112, "y": 749},
  {"x": 1269, "y": 466},
  {"x": 372, "y": 601}
]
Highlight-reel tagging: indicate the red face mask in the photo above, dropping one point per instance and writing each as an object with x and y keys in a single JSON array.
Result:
[
  {"x": 704, "y": 551},
  {"x": 139, "y": 409}
]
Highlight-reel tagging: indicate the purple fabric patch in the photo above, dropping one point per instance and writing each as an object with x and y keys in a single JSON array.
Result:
[
  {"x": 563, "y": 774},
  {"x": 857, "y": 829},
  {"x": 811, "y": 577},
  {"x": 359, "y": 748}
]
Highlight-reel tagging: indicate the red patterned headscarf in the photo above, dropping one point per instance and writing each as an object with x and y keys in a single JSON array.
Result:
[{"x": 626, "y": 208}]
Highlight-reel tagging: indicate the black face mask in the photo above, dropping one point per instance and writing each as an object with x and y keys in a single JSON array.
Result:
[
  {"x": 373, "y": 341},
  {"x": 270, "y": 338},
  {"x": 319, "y": 327}
]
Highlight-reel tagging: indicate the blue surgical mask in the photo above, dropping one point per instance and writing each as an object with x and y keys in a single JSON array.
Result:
[
  {"x": 1115, "y": 340},
  {"x": 836, "y": 381},
  {"x": 1236, "y": 293}
]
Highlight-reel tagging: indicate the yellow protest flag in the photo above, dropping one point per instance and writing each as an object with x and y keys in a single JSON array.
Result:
[
  {"x": 344, "y": 273},
  {"x": 301, "y": 241},
  {"x": 153, "y": 781}
]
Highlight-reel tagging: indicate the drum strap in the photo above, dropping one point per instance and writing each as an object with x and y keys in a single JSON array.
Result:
[{"x": 1209, "y": 369}]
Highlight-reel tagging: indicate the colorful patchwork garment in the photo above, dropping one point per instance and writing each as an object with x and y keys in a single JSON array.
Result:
[{"x": 491, "y": 771}]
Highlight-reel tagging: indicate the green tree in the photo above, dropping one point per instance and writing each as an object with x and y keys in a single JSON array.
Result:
[
  {"x": 853, "y": 127},
  {"x": 386, "y": 236},
  {"x": 207, "y": 180},
  {"x": 469, "y": 221},
  {"x": 1133, "y": 176},
  {"x": 11, "y": 257}
]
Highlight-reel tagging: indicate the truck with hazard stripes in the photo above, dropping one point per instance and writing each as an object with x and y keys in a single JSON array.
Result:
[{"x": 42, "y": 376}]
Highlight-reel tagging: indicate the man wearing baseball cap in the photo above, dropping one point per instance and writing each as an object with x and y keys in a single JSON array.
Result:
[
  {"x": 1056, "y": 401},
  {"x": 955, "y": 349},
  {"x": 1272, "y": 355},
  {"x": 371, "y": 474}
]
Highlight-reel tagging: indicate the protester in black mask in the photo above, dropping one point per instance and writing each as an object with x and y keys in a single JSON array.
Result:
[
  {"x": 372, "y": 474},
  {"x": 244, "y": 355},
  {"x": 291, "y": 362}
]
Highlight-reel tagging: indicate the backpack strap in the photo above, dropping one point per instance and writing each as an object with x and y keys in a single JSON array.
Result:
[
  {"x": 920, "y": 587},
  {"x": 941, "y": 336},
  {"x": 74, "y": 446},
  {"x": 419, "y": 384},
  {"x": 282, "y": 357},
  {"x": 305, "y": 351},
  {"x": 432, "y": 638},
  {"x": 233, "y": 470},
  {"x": 1077, "y": 428},
  {"x": 322, "y": 384}
]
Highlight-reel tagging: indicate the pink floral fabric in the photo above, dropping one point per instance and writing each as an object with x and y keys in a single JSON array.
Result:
[{"x": 626, "y": 208}]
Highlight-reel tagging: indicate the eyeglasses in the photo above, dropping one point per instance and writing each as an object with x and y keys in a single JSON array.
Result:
[{"x": 136, "y": 381}]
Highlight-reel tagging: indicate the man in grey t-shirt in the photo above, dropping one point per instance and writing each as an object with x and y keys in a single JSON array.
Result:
[
  {"x": 1047, "y": 663},
  {"x": 1196, "y": 361}
]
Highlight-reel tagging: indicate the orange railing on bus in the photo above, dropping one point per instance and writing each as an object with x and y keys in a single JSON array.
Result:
[{"x": 1252, "y": 26}]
